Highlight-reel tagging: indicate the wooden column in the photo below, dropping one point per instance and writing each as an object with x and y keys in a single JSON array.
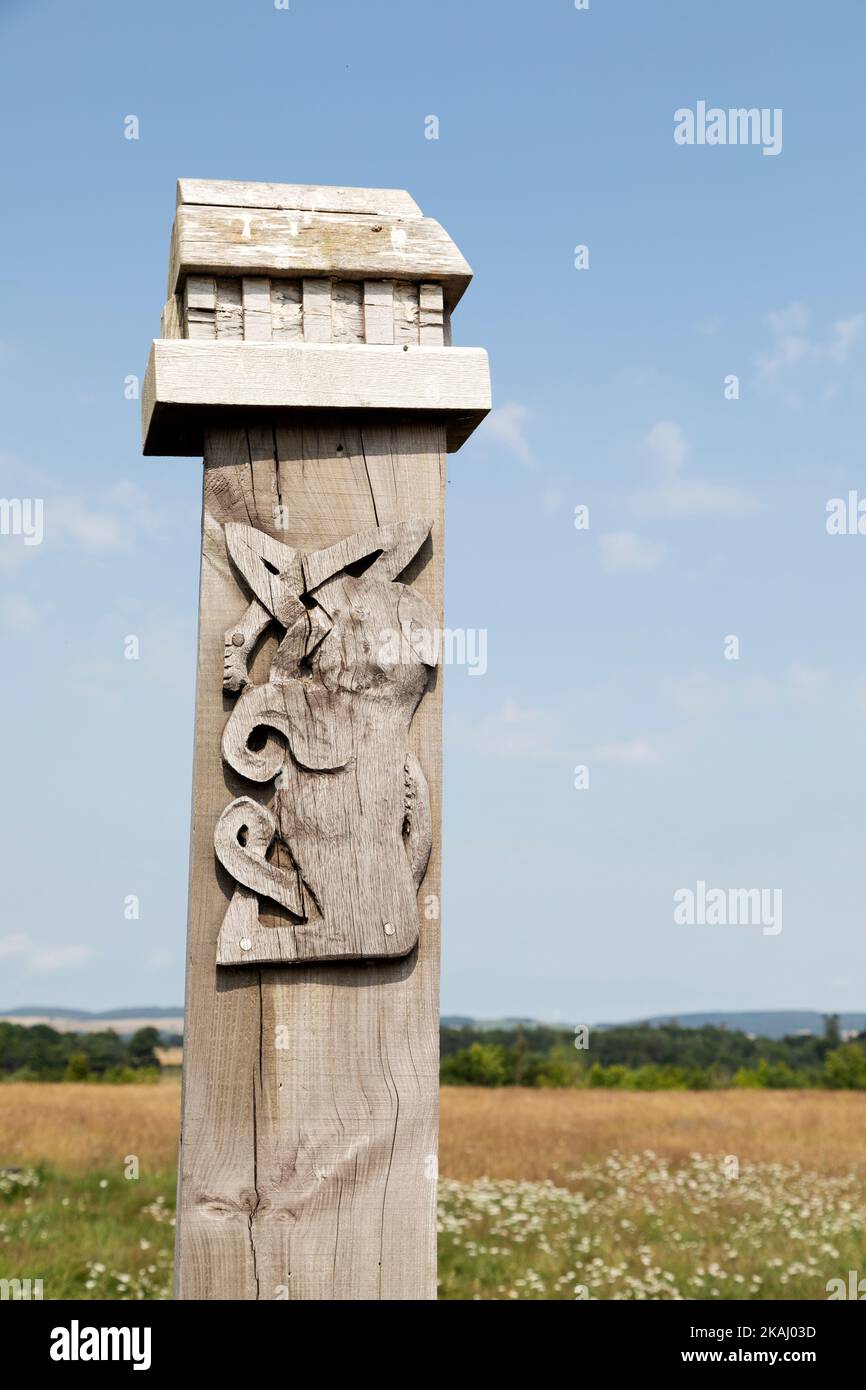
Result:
[{"x": 306, "y": 356}]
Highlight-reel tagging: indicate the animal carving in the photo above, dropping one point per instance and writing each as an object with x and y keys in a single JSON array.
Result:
[{"x": 331, "y": 727}]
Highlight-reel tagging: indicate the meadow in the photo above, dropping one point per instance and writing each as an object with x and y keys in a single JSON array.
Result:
[{"x": 556, "y": 1194}]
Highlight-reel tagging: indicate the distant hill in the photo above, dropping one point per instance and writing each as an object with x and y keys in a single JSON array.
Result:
[
  {"x": 42, "y": 1010},
  {"x": 764, "y": 1023},
  {"x": 124, "y": 1022}
]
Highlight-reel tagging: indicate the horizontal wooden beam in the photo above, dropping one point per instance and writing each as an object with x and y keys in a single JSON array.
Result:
[
  {"x": 187, "y": 381},
  {"x": 277, "y": 242},
  {"x": 302, "y": 197}
]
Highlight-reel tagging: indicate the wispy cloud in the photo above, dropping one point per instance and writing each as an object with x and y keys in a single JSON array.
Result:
[
  {"x": 17, "y": 614},
  {"x": 507, "y": 424},
  {"x": 673, "y": 493},
  {"x": 793, "y": 344},
  {"x": 40, "y": 960},
  {"x": 807, "y": 681},
  {"x": 637, "y": 753},
  {"x": 623, "y": 552},
  {"x": 517, "y": 732}
]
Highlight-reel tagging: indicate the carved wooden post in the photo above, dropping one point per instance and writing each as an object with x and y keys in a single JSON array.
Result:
[{"x": 306, "y": 355}]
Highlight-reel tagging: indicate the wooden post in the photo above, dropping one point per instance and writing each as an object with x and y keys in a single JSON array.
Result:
[{"x": 305, "y": 353}]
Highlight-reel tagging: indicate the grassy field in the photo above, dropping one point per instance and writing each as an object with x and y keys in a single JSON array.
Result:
[{"x": 544, "y": 1194}]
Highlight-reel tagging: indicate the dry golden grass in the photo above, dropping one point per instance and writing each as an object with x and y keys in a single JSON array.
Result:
[
  {"x": 535, "y": 1135},
  {"x": 509, "y": 1133},
  {"x": 81, "y": 1128}
]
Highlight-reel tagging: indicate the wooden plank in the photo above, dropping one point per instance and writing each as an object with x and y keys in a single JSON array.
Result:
[
  {"x": 347, "y": 312},
  {"x": 171, "y": 323},
  {"x": 317, "y": 311},
  {"x": 406, "y": 312},
  {"x": 199, "y": 307},
  {"x": 378, "y": 311},
  {"x": 286, "y": 313},
  {"x": 431, "y": 316},
  {"x": 301, "y": 197},
  {"x": 257, "y": 308},
  {"x": 314, "y": 376},
  {"x": 229, "y": 310},
  {"x": 310, "y": 1103},
  {"x": 218, "y": 240}
]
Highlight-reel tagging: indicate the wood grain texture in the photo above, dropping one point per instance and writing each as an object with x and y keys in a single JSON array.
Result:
[
  {"x": 317, "y": 311},
  {"x": 316, "y": 375},
  {"x": 301, "y": 197},
  {"x": 310, "y": 1091},
  {"x": 272, "y": 242},
  {"x": 286, "y": 311},
  {"x": 352, "y": 805},
  {"x": 378, "y": 311},
  {"x": 229, "y": 310},
  {"x": 256, "y": 293}
]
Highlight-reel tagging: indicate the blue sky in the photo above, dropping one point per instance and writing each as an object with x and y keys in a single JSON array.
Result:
[{"x": 606, "y": 645}]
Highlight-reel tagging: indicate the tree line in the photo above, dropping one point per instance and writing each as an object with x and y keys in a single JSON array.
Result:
[
  {"x": 41, "y": 1053},
  {"x": 635, "y": 1057},
  {"x": 645, "y": 1058}
]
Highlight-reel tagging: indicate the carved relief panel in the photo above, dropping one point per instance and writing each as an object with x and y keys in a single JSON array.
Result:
[{"x": 330, "y": 729}]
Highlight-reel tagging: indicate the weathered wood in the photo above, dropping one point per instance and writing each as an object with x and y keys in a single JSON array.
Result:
[
  {"x": 378, "y": 311},
  {"x": 347, "y": 312},
  {"x": 286, "y": 312},
  {"x": 406, "y": 313},
  {"x": 171, "y": 323},
  {"x": 301, "y": 197},
  {"x": 317, "y": 311},
  {"x": 351, "y": 806},
  {"x": 229, "y": 310},
  {"x": 200, "y": 307},
  {"x": 315, "y": 379},
  {"x": 182, "y": 378},
  {"x": 257, "y": 309},
  {"x": 273, "y": 242},
  {"x": 311, "y": 1091},
  {"x": 431, "y": 316}
]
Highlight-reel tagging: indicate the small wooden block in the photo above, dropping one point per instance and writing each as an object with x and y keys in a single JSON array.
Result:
[
  {"x": 378, "y": 311},
  {"x": 229, "y": 311},
  {"x": 431, "y": 309},
  {"x": 347, "y": 312},
  {"x": 286, "y": 315},
  {"x": 405, "y": 312},
  {"x": 317, "y": 311},
  {"x": 257, "y": 309},
  {"x": 200, "y": 306}
]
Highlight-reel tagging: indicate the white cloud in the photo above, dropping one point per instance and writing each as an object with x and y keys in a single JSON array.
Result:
[
  {"x": 17, "y": 945},
  {"x": 793, "y": 344},
  {"x": 17, "y": 613},
  {"x": 673, "y": 494},
  {"x": 638, "y": 753},
  {"x": 515, "y": 732},
  {"x": 697, "y": 694},
  {"x": 91, "y": 529},
  {"x": 507, "y": 423},
  {"x": 845, "y": 333},
  {"x": 807, "y": 681},
  {"x": 622, "y": 552},
  {"x": 43, "y": 959}
]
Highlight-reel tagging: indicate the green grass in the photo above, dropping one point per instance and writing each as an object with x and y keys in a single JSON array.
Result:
[
  {"x": 626, "y": 1227},
  {"x": 99, "y": 1236}
]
